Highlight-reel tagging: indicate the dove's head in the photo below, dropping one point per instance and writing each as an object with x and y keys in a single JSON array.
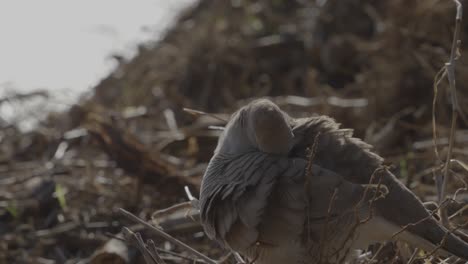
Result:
[{"x": 260, "y": 125}]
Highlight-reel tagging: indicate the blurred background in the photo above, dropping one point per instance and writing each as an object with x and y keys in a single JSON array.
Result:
[
  {"x": 92, "y": 96},
  {"x": 65, "y": 48}
]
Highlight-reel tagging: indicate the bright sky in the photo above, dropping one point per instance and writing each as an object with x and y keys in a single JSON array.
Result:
[
  {"x": 60, "y": 44},
  {"x": 63, "y": 46}
]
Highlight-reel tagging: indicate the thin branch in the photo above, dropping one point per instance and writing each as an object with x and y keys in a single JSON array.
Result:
[
  {"x": 323, "y": 236},
  {"x": 163, "y": 234},
  {"x": 437, "y": 79},
  {"x": 308, "y": 175},
  {"x": 154, "y": 251},
  {"x": 413, "y": 256},
  {"x": 136, "y": 240},
  {"x": 199, "y": 113},
  {"x": 164, "y": 213},
  {"x": 450, "y": 68}
]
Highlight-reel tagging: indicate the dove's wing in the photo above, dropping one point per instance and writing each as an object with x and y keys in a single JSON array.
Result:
[
  {"x": 263, "y": 198},
  {"x": 234, "y": 195},
  {"x": 350, "y": 157},
  {"x": 336, "y": 148},
  {"x": 271, "y": 200}
]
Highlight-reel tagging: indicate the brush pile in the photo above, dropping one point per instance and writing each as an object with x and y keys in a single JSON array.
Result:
[{"x": 369, "y": 64}]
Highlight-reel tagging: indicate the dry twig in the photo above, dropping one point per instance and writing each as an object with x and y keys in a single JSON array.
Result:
[
  {"x": 450, "y": 70},
  {"x": 163, "y": 234}
]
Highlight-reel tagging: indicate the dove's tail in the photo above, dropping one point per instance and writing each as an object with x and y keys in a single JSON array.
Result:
[
  {"x": 455, "y": 248},
  {"x": 445, "y": 242},
  {"x": 403, "y": 209},
  {"x": 390, "y": 231}
]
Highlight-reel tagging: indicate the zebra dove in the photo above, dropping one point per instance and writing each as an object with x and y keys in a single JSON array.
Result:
[{"x": 263, "y": 197}]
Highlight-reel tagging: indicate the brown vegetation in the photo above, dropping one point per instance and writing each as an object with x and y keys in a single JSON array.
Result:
[{"x": 369, "y": 64}]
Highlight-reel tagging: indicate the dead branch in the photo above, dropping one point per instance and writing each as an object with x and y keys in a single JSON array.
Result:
[
  {"x": 163, "y": 234},
  {"x": 450, "y": 69},
  {"x": 132, "y": 155}
]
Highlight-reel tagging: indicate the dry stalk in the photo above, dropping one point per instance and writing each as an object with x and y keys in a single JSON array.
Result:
[
  {"x": 461, "y": 189},
  {"x": 358, "y": 220},
  {"x": 168, "y": 211},
  {"x": 450, "y": 72},
  {"x": 238, "y": 258},
  {"x": 413, "y": 256},
  {"x": 395, "y": 257},
  {"x": 154, "y": 251},
  {"x": 308, "y": 176},
  {"x": 442, "y": 242},
  {"x": 324, "y": 234},
  {"x": 150, "y": 254},
  {"x": 459, "y": 212},
  {"x": 437, "y": 79},
  {"x": 377, "y": 252},
  {"x": 431, "y": 215},
  {"x": 199, "y": 113},
  {"x": 163, "y": 234}
]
